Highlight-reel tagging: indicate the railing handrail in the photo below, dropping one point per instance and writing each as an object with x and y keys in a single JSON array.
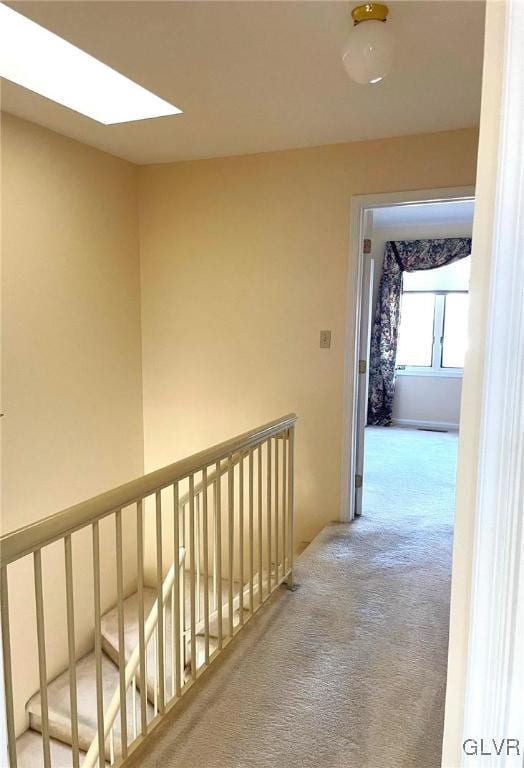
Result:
[{"x": 32, "y": 537}]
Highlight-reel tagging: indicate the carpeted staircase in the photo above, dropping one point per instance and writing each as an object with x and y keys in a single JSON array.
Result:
[{"x": 29, "y": 745}]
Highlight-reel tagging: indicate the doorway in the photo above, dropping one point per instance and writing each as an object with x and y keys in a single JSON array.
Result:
[
  {"x": 418, "y": 339},
  {"x": 408, "y": 375}
]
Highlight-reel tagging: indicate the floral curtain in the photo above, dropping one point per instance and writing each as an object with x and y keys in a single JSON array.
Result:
[{"x": 399, "y": 256}]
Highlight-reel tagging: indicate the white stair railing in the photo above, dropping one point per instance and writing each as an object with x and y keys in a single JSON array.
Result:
[{"x": 228, "y": 511}]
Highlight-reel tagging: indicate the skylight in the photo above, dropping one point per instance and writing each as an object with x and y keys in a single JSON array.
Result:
[{"x": 39, "y": 60}]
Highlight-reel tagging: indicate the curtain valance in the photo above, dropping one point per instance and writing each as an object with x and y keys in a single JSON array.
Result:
[{"x": 400, "y": 256}]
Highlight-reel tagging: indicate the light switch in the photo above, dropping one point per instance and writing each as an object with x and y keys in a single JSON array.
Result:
[{"x": 325, "y": 339}]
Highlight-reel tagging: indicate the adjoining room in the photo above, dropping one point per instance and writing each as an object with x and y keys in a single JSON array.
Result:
[{"x": 416, "y": 282}]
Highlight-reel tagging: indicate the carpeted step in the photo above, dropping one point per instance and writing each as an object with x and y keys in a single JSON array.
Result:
[
  {"x": 110, "y": 642},
  {"x": 60, "y": 711},
  {"x": 29, "y": 752}
]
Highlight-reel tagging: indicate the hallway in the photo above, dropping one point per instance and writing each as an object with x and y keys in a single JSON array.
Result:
[{"x": 349, "y": 670}]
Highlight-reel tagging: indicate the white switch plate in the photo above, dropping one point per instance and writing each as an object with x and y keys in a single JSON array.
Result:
[{"x": 325, "y": 339}]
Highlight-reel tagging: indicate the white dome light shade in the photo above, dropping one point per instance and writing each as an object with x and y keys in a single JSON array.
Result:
[{"x": 368, "y": 53}]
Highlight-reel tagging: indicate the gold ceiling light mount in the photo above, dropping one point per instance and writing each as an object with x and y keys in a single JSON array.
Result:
[
  {"x": 369, "y": 12},
  {"x": 368, "y": 53}
]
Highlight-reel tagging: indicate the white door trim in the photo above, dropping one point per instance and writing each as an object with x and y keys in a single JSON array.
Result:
[
  {"x": 359, "y": 204},
  {"x": 494, "y": 694},
  {"x": 364, "y": 342}
]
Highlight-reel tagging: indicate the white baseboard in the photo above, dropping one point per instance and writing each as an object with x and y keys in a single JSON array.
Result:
[{"x": 415, "y": 424}]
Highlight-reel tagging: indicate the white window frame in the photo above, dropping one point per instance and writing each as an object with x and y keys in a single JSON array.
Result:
[{"x": 436, "y": 368}]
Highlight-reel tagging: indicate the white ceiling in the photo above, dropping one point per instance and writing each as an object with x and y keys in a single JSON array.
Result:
[
  {"x": 258, "y": 76},
  {"x": 424, "y": 214}
]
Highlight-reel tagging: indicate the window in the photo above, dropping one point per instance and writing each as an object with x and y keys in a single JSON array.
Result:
[
  {"x": 433, "y": 320},
  {"x": 415, "y": 343}
]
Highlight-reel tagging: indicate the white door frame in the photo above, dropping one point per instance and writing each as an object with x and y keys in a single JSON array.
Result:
[
  {"x": 351, "y": 425},
  {"x": 364, "y": 345}
]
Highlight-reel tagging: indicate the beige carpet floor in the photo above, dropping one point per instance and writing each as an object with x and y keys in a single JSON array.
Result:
[{"x": 349, "y": 670}]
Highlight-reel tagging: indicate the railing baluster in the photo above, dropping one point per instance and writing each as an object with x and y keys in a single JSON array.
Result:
[
  {"x": 215, "y": 593},
  {"x": 291, "y": 499},
  {"x": 260, "y": 528},
  {"x": 8, "y": 674},
  {"x": 176, "y": 672},
  {"x": 133, "y": 695},
  {"x": 111, "y": 747},
  {"x": 40, "y": 632},
  {"x": 155, "y": 670},
  {"x": 268, "y": 513},
  {"x": 231, "y": 535},
  {"x": 71, "y": 648},
  {"x": 183, "y": 590},
  {"x": 205, "y": 544},
  {"x": 241, "y": 538},
  {"x": 192, "y": 572},
  {"x": 250, "y": 531},
  {"x": 277, "y": 524},
  {"x": 197, "y": 550},
  {"x": 284, "y": 504},
  {"x": 173, "y": 655},
  {"x": 160, "y": 620},
  {"x": 140, "y": 597},
  {"x": 121, "y": 634},
  {"x": 98, "y": 646},
  {"x": 165, "y": 652},
  {"x": 218, "y": 553},
  {"x": 182, "y": 639}
]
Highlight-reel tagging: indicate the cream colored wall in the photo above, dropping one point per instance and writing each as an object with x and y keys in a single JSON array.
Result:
[
  {"x": 244, "y": 261},
  {"x": 433, "y": 400},
  {"x": 71, "y": 365},
  {"x": 471, "y": 409}
]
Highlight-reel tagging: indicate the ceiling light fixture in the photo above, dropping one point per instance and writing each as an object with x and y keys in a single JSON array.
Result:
[
  {"x": 368, "y": 52},
  {"x": 39, "y": 60}
]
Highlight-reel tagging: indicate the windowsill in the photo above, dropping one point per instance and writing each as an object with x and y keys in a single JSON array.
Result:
[{"x": 442, "y": 373}]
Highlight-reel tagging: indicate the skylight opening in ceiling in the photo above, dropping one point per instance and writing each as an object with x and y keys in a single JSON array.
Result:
[{"x": 37, "y": 59}]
